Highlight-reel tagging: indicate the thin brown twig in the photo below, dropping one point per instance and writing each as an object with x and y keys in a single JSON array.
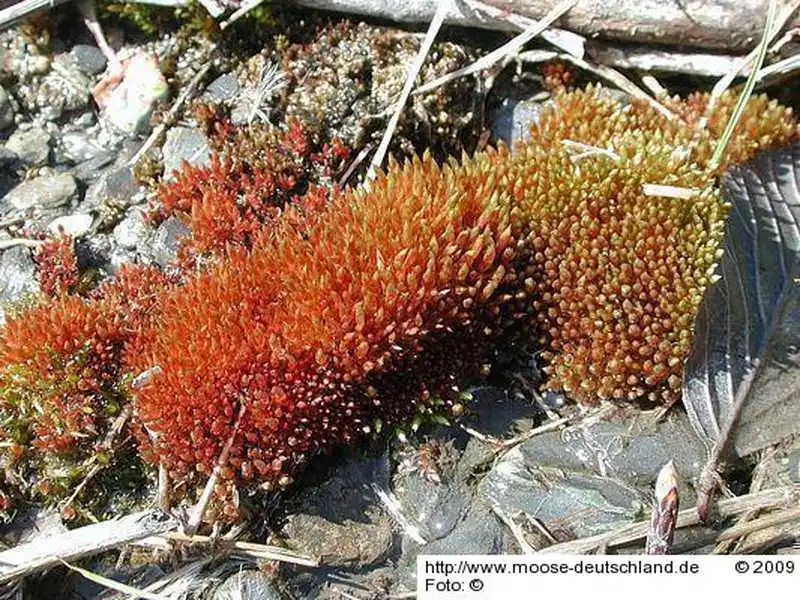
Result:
[{"x": 515, "y": 530}]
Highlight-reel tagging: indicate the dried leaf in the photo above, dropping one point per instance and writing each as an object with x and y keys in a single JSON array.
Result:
[{"x": 746, "y": 352}]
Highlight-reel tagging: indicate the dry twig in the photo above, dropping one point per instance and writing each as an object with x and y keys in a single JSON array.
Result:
[
  {"x": 772, "y": 498},
  {"x": 433, "y": 29}
]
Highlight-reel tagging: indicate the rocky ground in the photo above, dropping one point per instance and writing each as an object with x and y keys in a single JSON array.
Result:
[{"x": 521, "y": 470}]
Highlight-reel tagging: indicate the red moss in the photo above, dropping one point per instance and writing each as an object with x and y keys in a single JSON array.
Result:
[
  {"x": 255, "y": 170},
  {"x": 57, "y": 266},
  {"x": 558, "y": 76}
]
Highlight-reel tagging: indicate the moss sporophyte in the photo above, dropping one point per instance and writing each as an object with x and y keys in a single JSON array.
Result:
[{"x": 344, "y": 309}]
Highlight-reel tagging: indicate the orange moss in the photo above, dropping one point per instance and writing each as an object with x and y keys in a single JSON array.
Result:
[
  {"x": 380, "y": 306},
  {"x": 62, "y": 364},
  {"x": 376, "y": 305}
]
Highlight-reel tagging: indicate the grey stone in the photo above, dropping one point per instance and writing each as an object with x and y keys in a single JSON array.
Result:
[
  {"x": 794, "y": 466},
  {"x": 32, "y": 146},
  {"x": 46, "y": 192},
  {"x": 223, "y": 88},
  {"x": 132, "y": 232},
  {"x": 17, "y": 276},
  {"x": 436, "y": 508},
  {"x": 8, "y": 158},
  {"x": 570, "y": 504},
  {"x": 64, "y": 89},
  {"x": 90, "y": 170},
  {"x": 75, "y": 225},
  {"x": 247, "y": 585},
  {"x": 184, "y": 144},
  {"x": 633, "y": 450},
  {"x": 117, "y": 183},
  {"x": 6, "y": 110},
  {"x": 341, "y": 522},
  {"x": 511, "y": 120},
  {"x": 167, "y": 240},
  {"x": 88, "y": 59},
  {"x": 77, "y": 147},
  {"x": 94, "y": 251},
  {"x": 478, "y": 533}
]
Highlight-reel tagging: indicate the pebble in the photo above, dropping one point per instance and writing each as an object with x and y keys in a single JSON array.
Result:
[
  {"x": 568, "y": 503},
  {"x": 75, "y": 225},
  {"x": 224, "y": 88},
  {"x": 6, "y": 110},
  {"x": 77, "y": 146},
  {"x": 8, "y": 158},
  {"x": 631, "y": 449},
  {"x": 17, "y": 276},
  {"x": 341, "y": 522},
  {"x": 167, "y": 240},
  {"x": 90, "y": 170},
  {"x": 478, "y": 533},
  {"x": 63, "y": 89},
  {"x": 89, "y": 59},
  {"x": 184, "y": 144},
  {"x": 45, "y": 191},
  {"x": 435, "y": 508},
  {"x": 32, "y": 146},
  {"x": 247, "y": 585},
  {"x": 118, "y": 183},
  {"x": 511, "y": 120},
  {"x": 132, "y": 232}
]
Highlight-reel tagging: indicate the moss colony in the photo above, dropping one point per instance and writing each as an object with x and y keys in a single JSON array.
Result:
[{"x": 374, "y": 305}]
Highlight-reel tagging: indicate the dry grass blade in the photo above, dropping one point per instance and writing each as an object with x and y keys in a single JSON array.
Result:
[
  {"x": 131, "y": 591},
  {"x": 245, "y": 8},
  {"x": 568, "y": 41},
  {"x": 200, "y": 508},
  {"x": 668, "y": 191},
  {"x": 433, "y": 29},
  {"x": 505, "y": 50},
  {"x": 516, "y": 530},
  {"x": 607, "y": 73},
  {"x": 779, "y": 69},
  {"x": 773, "y": 498},
  {"x": 249, "y": 549},
  {"x": 395, "y": 510},
  {"x": 38, "y": 555},
  {"x": 761, "y": 53}
]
